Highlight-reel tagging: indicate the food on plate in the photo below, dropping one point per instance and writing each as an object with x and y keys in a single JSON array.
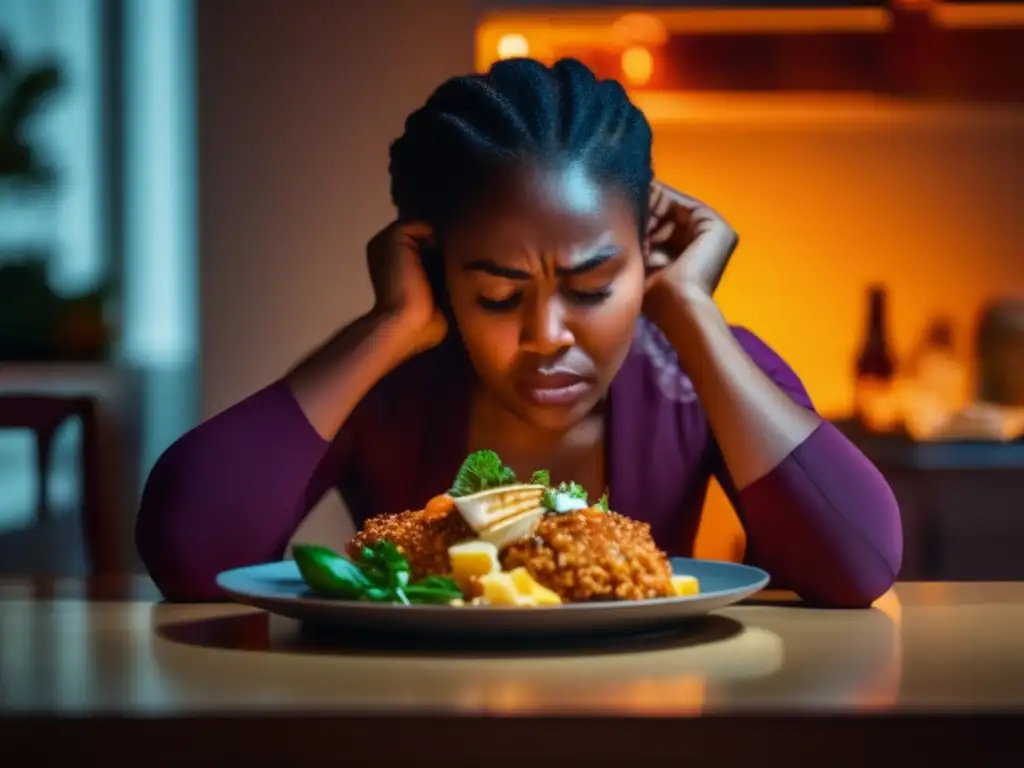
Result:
[
  {"x": 594, "y": 555},
  {"x": 379, "y": 574},
  {"x": 502, "y": 516},
  {"x": 516, "y": 587},
  {"x": 423, "y": 536},
  {"x": 472, "y": 560},
  {"x": 684, "y": 585},
  {"x": 494, "y": 540}
]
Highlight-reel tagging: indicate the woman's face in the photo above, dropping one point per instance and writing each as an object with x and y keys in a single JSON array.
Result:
[{"x": 546, "y": 283}]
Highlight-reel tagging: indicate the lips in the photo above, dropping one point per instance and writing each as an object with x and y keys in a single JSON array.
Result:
[
  {"x": 556, "y": 389},
  {"x": 560, "y": 380}
]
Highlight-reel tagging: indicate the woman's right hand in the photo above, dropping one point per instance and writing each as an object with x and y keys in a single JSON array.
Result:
[
  {"x": 403, "y": 294},
  {"x": 331, "y": 381}
]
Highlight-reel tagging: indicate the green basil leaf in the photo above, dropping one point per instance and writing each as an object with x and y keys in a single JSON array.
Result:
[
  {"x": 439, "y": 582},
  {"x": 431, "y": 595},
  {"x": 398, "y": 579},
  {"x": 377, "y": 575},
  {"x": 326, "y": 572},
  {"x": 388, "y": 553},
  {"x": 379, "y": 595}
]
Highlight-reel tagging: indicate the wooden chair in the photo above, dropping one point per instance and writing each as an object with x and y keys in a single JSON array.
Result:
[{"x": 43, "y": 415}]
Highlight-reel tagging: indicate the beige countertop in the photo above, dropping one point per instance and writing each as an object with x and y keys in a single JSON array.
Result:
[{"x": 105, "y": 649}]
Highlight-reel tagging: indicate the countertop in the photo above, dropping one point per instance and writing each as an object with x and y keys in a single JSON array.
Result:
[{"x": 109, "y": 653}]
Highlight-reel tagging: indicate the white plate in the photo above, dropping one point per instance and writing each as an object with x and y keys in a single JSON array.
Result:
[{"x": 278, "y": 588}]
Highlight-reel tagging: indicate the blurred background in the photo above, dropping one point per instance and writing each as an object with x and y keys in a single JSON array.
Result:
[{"x": 186, "y": 189}]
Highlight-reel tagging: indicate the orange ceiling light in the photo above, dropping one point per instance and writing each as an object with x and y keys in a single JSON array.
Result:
[
  {"x": 640, "y": 29},
  {"x": 637, "y": 65},
  {"x": 544, "y": 35},
  {"x": 513, "y": 46},
  {"x": 978, "y": 15}
]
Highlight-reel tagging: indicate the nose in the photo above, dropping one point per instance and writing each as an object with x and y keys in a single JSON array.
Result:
[{"x": 545, "y": 331}]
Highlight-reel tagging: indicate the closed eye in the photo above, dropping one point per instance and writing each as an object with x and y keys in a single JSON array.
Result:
[
  {"x": 501, "y": 305},
  {"x": 590, "y": 298},
  {"x": 583, "y": 298}
]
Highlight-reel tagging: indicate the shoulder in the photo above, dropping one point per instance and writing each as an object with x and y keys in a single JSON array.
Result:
[
  {"x": 653, "y": 352},
  {"x": 773, "y": 364}
]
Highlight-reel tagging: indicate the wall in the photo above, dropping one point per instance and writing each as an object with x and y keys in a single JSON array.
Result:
[
  {"x": 829, "y": 197},
  {"x": 925, "y": 200},
  {"x": 297, "y": 104}
]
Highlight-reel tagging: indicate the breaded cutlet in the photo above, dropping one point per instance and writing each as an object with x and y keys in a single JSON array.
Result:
[{"x": 424, "y": 539}]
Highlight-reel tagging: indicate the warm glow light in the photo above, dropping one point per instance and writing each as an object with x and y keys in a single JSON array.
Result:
[
  {"x": 513, "y": 47},
  {"x": 637, "y": 65},
  {"x": 640, "y": 29},
  {"x": 978, "y": 16}
]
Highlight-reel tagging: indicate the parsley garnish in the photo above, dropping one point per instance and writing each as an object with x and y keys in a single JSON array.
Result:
[
  {"x": 481, "y": 471},
  {"x": 573, "y": 490},
  {"x": 541, "y": 477}
]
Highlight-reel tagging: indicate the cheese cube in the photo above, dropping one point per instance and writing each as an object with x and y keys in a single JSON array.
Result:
[
  {"x": 472, "y": 559},
  {"x": 528, "y": 586},
  {"x": 685, "y": 585},
  {"x": 500, "y": 589}
]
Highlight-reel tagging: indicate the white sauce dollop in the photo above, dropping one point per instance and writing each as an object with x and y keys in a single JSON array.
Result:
[{"x": 566, "y": 503}]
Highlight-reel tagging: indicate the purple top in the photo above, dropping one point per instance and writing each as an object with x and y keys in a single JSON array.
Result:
[{"x": 232, "y": 491}]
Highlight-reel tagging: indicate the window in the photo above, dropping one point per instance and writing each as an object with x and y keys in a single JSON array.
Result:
[{"x": 120, "y": 134}]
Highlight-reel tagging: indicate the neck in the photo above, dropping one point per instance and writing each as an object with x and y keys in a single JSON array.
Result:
[
  {"x": 524, "y": 446},
  {"x": 490, "y": 418}
]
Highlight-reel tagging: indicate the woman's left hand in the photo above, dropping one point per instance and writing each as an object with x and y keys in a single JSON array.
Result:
[{"x": 688, "y": 244}]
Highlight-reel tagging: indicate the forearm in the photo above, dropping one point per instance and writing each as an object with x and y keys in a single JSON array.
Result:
[
  {"x": 231, "y": 492},
  {"x": 755, "y": 423},
  {"x": 825, "y": 523},
  {"x": 818, "y": 515},
  {"x": 330, "y": 382}
]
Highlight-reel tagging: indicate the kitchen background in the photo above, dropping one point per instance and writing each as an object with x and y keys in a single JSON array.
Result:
[{"x": 185, "y": 198}]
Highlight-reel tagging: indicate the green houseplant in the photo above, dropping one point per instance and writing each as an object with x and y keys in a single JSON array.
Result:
[{"x": 35, "y": 323}]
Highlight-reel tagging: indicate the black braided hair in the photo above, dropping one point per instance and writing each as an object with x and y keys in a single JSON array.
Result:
[{"x": 519, "y": 111}]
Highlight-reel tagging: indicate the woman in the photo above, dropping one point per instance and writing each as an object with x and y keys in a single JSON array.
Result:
[{"x": 541, "y": 296}]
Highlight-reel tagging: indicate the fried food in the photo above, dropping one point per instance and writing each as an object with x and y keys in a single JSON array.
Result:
[
  {"x": 563, "y": 549},
  {"x": 423, "y": 536},
  {"x": 593, "y": 555}
]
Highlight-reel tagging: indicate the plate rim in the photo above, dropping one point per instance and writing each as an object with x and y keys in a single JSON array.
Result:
[{"x": 762, "y": 581}]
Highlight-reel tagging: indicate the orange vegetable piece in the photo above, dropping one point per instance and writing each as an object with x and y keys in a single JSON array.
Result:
[{"x": 438, "y": 507}]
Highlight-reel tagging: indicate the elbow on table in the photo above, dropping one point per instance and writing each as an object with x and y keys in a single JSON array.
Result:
[
  {"x": 172, "y": 560},
  {"x": 169, "y": 535},
  {"x": 852, "y": 589},
  {"x": 863, "y": 567},
  {"x": 179, "y": 575}
]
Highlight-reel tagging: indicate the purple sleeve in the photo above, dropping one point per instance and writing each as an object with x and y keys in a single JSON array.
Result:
[
  {"x": 232, "y": 491},
  {"x": 824, "y": 523}
]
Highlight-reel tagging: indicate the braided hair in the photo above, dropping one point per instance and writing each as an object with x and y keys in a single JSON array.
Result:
[{"x": 519, "y": 111}]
